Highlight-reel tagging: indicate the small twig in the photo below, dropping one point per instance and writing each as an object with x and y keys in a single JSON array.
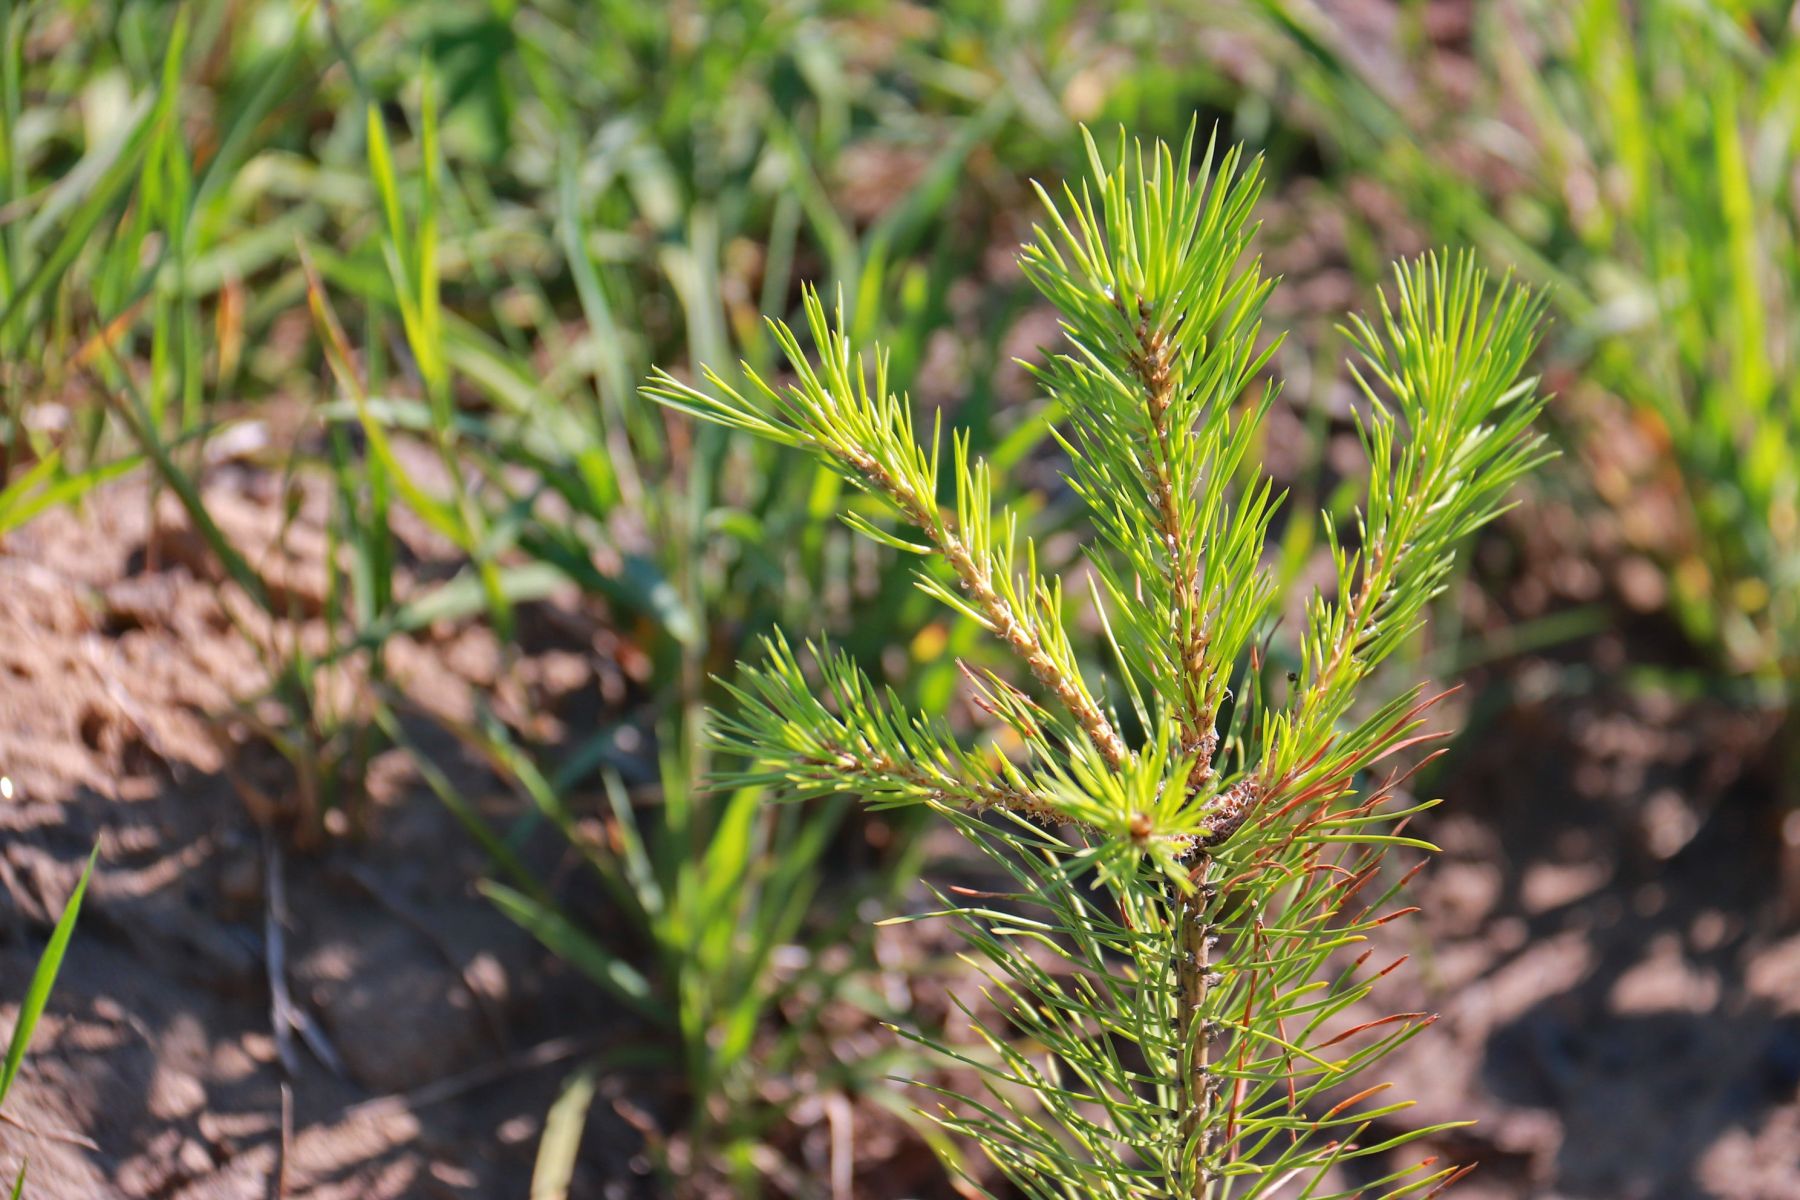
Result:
[
  {"x": 316, "y": 1041},
  {"x": 281, "y": 1002},
  {"x": 108, "y": 678},
  {"x": 27, "y": 902},
  {"x": 840, "y": 1118},
  {"x": 286, "y": 1017},
  {"x": 1193, "y": 967},
  {"x": 541, "y": 1055},
  {"x": 50, "y": 1135},
  {"x": 284, "y": 1151}
]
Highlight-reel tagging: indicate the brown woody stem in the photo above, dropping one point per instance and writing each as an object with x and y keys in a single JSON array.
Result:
[
  {"x": 1002, "y": 620},
  {"x": 960, "y": 793},
  {"x": 1193, "y": 974},
  {"x": 1155, "y": 372}
]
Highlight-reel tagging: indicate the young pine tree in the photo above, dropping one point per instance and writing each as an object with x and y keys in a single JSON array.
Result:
[{"x": 1178, "y": 961}]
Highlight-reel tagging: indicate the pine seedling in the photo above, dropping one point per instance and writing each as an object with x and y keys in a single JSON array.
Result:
[{"x": 1177, "y": 962}]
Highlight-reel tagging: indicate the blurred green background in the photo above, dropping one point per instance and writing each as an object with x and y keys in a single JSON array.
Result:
[{"x": 348, "y": 303}]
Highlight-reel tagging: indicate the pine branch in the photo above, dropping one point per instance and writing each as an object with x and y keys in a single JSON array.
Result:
[
  {"x": 865, "y": 432},
  {"x": 1187, "y": 332},
  {"x": 1154, "y": 446},
  {"x": 1444, "y": 364},
  {"x": 838, "y": 733}
]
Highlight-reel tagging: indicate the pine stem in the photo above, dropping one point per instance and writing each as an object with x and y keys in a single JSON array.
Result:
[
  {"x": 1025, "y": 644},
  {"x": 1003, "y": 622},
  {"x": 971, "y": 797},
  {"x": 1193, "y": 959},
  {"x": 1155, "y": 371}
]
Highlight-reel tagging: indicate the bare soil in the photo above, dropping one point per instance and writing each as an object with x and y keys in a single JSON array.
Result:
[{"x": 435, "y": 1027}]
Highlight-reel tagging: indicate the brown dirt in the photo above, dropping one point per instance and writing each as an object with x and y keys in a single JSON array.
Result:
[
  {"x": 1620, "y": 1008},
  {"x": 122, "y": 666}
]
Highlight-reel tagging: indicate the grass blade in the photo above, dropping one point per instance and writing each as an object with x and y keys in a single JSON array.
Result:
[
  {"x": 566, "y": 940},
  {"x": 42, "y": 980},
  {"x": 563, "y": 1126}
]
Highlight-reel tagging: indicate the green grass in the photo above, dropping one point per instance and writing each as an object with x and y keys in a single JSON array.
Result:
[
  {"x": 37, "y": 996},
  {"x": 1644, "y": 151}
]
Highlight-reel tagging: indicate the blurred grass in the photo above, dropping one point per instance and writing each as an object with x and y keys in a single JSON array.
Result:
[
  {"x": 1635, "y": 157},
  {"x": 37, "y": 995}
]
